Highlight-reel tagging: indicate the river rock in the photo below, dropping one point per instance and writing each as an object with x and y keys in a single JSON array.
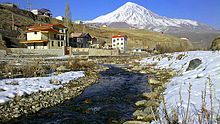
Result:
[
  {"x": 151, "y": 95},
  {"x": 141, "y": 103},
  {"x": 144, "y": 115},
  {"x": 153, "y": 81},
  {"x": 55, "y": 81},
  {"x": 152, "y": 103},
  {"x": 193, "y": 64},
  {"x": 62, "y": 69},
  {"x": 136, "y": 122}
]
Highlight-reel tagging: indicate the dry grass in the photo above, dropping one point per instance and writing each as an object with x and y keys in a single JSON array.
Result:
[{"x": 80, "y": 65}]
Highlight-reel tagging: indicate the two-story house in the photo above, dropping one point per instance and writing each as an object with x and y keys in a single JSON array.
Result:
[
  {"x": 120, "y": 42},
  {"x": 46, "y": 36}
]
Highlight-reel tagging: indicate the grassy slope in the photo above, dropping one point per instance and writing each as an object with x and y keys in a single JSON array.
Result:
[{"x": 137, "y": 38}]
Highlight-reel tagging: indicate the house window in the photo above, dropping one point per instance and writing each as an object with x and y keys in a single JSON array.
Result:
[
  {"x": 122, "y": 48},
  {"x": 117, "y": 43},
  {"x": 113, "y": 44},
  {"x": 55, "y": 36},
  {"x": 45, "y": 44},
  {"x": 61, "y": 43},
  {"x": 35, "y": 32},
  {"x": 62, "y": 37},
  {"x": 58, "y": 43},
  {"x": 117, "y": 39},
  {"x": 121, "y": 43},
  {"x": 121, "y": 38},
  {"x": 52, "y": 43}
]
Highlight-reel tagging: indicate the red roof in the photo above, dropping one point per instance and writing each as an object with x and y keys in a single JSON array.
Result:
[
  {"x": 34, "y": 29},
  {"x": 47, "y": 25},
  {"x": 119, "y": 36}
]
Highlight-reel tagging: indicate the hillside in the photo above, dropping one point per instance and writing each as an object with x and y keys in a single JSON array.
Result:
[
  {"x": 138, "y": 38},
  {"x": 22, "y": 18}
]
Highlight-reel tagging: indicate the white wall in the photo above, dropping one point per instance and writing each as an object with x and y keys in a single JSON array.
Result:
[
  {"x": 35, "y": 11},
  {"x": 120, "y": 43},
  {"x": 33, "y": 36}
]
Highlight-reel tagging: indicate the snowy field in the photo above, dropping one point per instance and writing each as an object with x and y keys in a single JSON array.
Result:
[
  {"x": 177, "y": 92},
  {"x": 9, "y": 88}
]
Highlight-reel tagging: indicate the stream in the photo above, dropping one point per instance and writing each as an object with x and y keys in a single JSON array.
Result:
[{"x": 111, "y": 100}]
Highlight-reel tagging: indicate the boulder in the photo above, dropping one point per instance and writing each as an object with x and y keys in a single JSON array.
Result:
[
  {"x": 216, "y": 44},
  {"x": 193, "y": 64}
]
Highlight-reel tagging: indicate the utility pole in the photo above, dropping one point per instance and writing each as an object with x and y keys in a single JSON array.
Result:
[{"x": 29, "y": 5}]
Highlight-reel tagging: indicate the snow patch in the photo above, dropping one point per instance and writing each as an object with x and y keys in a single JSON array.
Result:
[
  {"x": 198, "y": 78},
  {"x": 30, "y": 85}
]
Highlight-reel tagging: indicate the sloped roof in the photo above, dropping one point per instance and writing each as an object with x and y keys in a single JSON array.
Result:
[
  {"x": 119, "y": 36},
  {"x": 79, "y": 35},
  {"x": 36, "y": 29},
  {"x": 47, "y": 25},
  {"x": 34, "y": 41}
]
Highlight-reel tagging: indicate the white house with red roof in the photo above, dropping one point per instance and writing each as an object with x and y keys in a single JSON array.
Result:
[
  {"x": 120, "y": 42},
  {"x": 46, "y": 36}
]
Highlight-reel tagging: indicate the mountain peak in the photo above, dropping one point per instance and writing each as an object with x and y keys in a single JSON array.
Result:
[
  {"x": 130, "y": 3},
  {"x": 140, "y": 17}
]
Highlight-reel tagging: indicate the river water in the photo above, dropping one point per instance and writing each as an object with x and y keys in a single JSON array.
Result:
[{"x": 111, "y": 100}]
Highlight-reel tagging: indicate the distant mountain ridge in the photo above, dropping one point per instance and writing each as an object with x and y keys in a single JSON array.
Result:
[{"x": 139, "y": 17}]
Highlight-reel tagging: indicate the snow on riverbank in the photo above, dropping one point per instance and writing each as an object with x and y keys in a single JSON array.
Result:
[
  {"x": 9, "y": 88},
  {"x": 198, "y": 78}
]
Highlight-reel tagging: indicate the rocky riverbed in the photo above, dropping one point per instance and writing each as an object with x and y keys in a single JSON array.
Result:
[
  {"x": 111, "y": 100},
  {"x": 27, "y": 104}
]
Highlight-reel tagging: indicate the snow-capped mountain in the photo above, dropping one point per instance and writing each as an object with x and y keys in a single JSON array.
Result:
[{"x": 139, "y": 17}]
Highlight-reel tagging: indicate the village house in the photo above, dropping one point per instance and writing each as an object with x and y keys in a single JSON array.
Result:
[
  {"x": 78, "y": 22},
  {"x": 80, "y": 40},
  {"x": 46, "y": 36},
  {"x": 120, "y": 42},
  {"x": 98, "y": 44},
  {"x": 61, "y": 18},
  {"x": 8, "y": 4},
  {"x": 42, "y": 12}
]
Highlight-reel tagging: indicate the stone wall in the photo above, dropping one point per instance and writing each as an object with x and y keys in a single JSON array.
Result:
[
  {"x": 102, "y": 52},
  {"x": 2, "y": 53},
  {"x": 53, "y": 52}
]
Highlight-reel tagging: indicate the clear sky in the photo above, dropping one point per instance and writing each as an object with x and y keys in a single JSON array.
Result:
[{"x": 205, "y": 11}]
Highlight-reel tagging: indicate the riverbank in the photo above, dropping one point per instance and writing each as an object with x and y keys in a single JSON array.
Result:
[
  {"x": 191, "y": 95},
  {"x": 59, "y": 91}
]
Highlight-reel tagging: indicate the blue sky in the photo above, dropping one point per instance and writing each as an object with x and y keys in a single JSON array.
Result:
[{"x": 205, "y": 11}]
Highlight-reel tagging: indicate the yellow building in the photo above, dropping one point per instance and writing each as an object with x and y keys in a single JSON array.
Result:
[{"x": 46, "y": 36}]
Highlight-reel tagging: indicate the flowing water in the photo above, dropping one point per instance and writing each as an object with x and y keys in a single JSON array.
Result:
[{"x": 111, "y": 100}]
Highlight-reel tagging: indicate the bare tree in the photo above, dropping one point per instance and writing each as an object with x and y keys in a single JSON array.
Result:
[{"x": 68, "y": 17}]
